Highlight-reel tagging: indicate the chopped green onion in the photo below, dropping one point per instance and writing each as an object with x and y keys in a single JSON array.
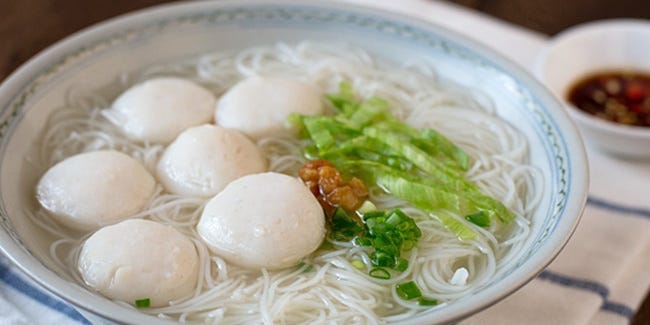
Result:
[
  {"x": 372, "y": 215},
  {"x": 402, "y": 265},
  {"x": 408, "y": 290},
  {"x": 143, "y": 303},
  {"x": 387, "y": 233},
  {"x": 379, "y": 273},
  {"x": 342, "y": 226},
  {"x": 366, "y": 207},
  {"x": 427, "y": 302},
  {"x": 363, "y": 241},
  {"x": 358, "y": 264},
  {"x": 380, "y": 258},
  {"x": 390, "y": 234},
  {"x": 408, "y": 245}
]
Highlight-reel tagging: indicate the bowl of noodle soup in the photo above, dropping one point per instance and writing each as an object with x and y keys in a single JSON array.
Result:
[{"x": 523, "y": 150}]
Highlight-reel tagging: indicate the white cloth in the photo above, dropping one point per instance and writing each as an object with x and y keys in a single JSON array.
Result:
[
  {"x": 601, "y": 276},
  {"x": 9, "y": 313}
]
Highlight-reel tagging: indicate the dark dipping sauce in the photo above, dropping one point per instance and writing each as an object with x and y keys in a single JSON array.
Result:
[{"x": 621, "y": 97}]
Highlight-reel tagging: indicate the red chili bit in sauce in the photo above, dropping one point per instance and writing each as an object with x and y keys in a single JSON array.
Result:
[
  {"x": 327, "y": 185},
  {"x": 622, "y": 97}
]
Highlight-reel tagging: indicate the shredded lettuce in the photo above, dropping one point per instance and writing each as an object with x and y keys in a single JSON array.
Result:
[
  {"x": 374, "y": 109},
  {"x": 420, "y": 166},
  {"x": 428, "y": 140},
  {"x": 344, "y": 101}
]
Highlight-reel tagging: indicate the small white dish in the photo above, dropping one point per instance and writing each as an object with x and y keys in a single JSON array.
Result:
[{"x": 602, "y": 46}]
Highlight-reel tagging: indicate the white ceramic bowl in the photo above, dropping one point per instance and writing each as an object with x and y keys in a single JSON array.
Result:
[
  {"x": 595, "y": 47},
  {"x": 97, "y": 56}
]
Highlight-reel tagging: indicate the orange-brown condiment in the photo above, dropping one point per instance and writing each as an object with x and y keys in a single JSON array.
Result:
[
  {"x": 327, "y": 185},
  {"x": 621, "y": 97}
]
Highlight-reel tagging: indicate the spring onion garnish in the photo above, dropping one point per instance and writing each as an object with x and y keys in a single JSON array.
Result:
[
  {"x": 420, "y": 166},
  {"x": 388, "y": 234},
  {"x": 427, "y": 302},
  {"x": 379, "y": 273},
  {"x": 408, "y": 290},
  {"x": 342, "y": 226},
  {"x": 358, "y": 264},
  {"x": 143, "y": 303},
  {"x": 402, "y": 264}
]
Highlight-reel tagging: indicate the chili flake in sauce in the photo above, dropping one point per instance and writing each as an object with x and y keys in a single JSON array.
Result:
[
  {"x": 327, "y": 185},
  {"x": 621, "y": 97}
]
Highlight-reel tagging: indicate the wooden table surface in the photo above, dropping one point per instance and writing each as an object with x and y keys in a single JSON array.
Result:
[{"x": 29, "y": 26}]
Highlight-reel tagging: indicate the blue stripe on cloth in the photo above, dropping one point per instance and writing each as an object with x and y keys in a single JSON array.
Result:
[
  {"x": 603, "y": 204},
  {"x": 617, "y": 309},
  {"x": 567, "y": 281},
  {"x": 588, "y": 285},
  {"x": 20, "y": 285}
]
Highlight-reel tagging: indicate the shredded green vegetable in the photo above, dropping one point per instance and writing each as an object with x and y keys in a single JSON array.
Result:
[
  {"x": 420, "y": 166},
  {"x": 480, "y": 219}
]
